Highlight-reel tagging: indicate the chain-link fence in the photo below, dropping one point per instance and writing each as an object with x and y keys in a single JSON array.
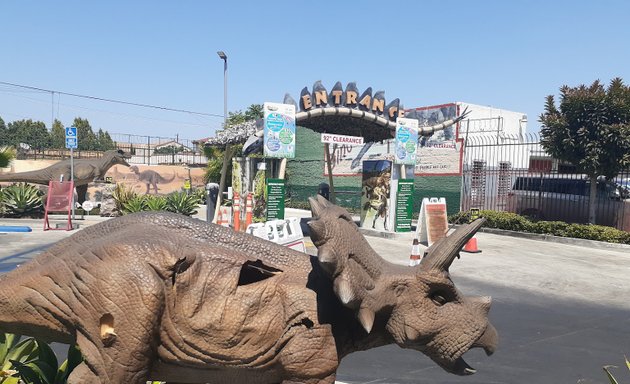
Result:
[
  {"x": 147, "y": 150},
  {"x": 153, "y": 150},
  {"x": 515, "y": 174}
]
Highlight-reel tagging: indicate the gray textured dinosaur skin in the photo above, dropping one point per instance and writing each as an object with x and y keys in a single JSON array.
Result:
[
  {"x": 165, "y": 297},
  {"x": 150, "y": 178},
  {"x": 85, "y": 171}
]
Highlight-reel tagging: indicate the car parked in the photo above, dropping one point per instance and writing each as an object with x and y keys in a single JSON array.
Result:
[{"x": 566, "y": 198}]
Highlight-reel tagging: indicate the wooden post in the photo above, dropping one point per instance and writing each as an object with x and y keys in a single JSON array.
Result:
[
  {"x": 330, "y": 175},
  {"x": 227, "y": 156},
  {"x": 283, "y": 168}
]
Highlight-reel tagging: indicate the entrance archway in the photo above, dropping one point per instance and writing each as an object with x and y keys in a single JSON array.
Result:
[{"x": 338, "y": 112}]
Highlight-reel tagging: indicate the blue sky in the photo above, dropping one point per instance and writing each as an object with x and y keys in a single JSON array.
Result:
[{"x": 507, "y": 54}]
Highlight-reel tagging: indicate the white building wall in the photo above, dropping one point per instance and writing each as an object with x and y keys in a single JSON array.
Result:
[{"x": 489, "y": 121}]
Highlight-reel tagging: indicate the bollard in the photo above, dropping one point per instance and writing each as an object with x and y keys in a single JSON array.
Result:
[{"x": 212, "y": 193}]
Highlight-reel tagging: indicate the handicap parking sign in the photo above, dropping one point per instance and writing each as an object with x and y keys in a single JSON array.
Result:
[
  {"x": 71, "y": 143},
  {"x": 71, "y": 132}
]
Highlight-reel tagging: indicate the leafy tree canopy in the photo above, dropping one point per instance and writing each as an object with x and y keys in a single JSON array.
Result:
[
  {"x": 33, "y": 133},
  {"x": 85, "y": 135},
  {"x": 590, "y": 128},
  {"x": 57, "y": 135},
  {"x": 253, "y": 112}
]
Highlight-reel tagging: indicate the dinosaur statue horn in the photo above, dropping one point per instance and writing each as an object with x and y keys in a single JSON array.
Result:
[
  {"x": 318, "y": 204},
  {"x": 316, "y": 207},
  {"x": 440, "y": 255}
]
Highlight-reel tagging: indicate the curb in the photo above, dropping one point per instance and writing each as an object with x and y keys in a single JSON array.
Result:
[{"x": 556, "y": 239}]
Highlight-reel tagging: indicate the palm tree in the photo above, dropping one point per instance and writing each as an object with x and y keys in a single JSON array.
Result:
[{"x": 6, "y": 155}]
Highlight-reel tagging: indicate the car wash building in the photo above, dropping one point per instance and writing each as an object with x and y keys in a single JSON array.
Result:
[{"x": 369, "y": 150}]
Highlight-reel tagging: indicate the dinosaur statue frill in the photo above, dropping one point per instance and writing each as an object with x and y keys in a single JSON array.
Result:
[{"x": 160, "y": 296}]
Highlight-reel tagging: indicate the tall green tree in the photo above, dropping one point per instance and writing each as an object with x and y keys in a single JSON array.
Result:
[
  {"x": 3, "y": 132},
  {"x": 57, "y": 135},
  {"x": 590, "y": 129},
  {"x": 104, "y": 141},
  {"x": 85, "y": 135},
  {"x": 33, "y": 133}
]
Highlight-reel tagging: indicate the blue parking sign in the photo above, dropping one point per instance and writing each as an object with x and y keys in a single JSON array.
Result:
[{"x": 71, "y": 143}]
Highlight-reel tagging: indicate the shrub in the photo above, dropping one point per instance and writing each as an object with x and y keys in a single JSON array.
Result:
[
  {"x": 22, "y": 199},
  {"x": 513, "y": 222},
  {"x": 155, "y": 203},
  {"x": 122, "y": 195},
  {"x": 609, "y": 375},
  {"x": 135, "y": 204},
  {"x": 180, "y": 202},
  {"x": 33, "y": 362}
]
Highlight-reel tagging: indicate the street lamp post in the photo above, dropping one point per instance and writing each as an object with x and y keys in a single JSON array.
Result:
[
  {"x": 227, "y": 153},
  {"x": 223, "y": 57}
]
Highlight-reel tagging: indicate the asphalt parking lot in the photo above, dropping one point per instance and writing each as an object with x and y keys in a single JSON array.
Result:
[{"x": 562, "y": 311}]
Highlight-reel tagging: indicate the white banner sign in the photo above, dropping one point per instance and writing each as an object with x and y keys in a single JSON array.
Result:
[
  {"x": 279, "y": 130},
  {"x": 328, "y": 138}
]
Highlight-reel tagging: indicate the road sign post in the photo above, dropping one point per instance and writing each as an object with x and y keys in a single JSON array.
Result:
[{"x": 72, "y": 142}]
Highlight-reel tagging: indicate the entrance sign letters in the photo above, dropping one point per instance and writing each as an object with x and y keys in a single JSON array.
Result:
[
  {"x": 279, "y": 130},
  {"x": 350, "y": 98}
]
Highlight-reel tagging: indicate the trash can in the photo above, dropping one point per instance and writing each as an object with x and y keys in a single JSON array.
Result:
[{"x": 324, "y": 190}]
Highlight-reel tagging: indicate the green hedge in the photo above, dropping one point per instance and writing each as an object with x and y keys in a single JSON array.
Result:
[{"x": 513, "y": 222}]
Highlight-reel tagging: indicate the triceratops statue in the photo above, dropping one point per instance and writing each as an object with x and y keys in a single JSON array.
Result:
[{"x": 160, "y": 296}]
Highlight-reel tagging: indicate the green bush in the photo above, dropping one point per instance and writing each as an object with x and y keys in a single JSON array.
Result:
[
  {"x": 513, "y": 222},
  {"x": 182, "y": 203},
  {"x": 155, "y": 203},
  {"x": 609, "y": 375},
  {"x": 33, "y": 362},
  {"x": 122, "y": 195},
  {"x": 21, "y": 199},
  {"x": 134, "y": 204}
]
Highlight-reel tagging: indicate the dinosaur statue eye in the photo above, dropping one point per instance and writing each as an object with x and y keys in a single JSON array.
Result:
[{"x": 438, "y": 298}]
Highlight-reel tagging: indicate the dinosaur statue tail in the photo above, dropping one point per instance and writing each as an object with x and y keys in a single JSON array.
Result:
[
  {"x": 35, "y": 177},
  {"x": 25, "y": 311},
  {"x": 163, "y": 180}
]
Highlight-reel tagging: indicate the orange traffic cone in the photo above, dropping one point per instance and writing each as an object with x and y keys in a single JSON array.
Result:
[
  {"x": 220, "y": 219},
  {"x": 237, "y": 211},
  {"x": 414, "y": 258},
  {"x": 249, "y": 209},
  {"x": 471, "y": 246}
]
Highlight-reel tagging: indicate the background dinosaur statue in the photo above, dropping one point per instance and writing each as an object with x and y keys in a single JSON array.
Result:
[
  {"x": 160, "y": 296},
  {"x": 85, "y": 171},
  {"x": 151, "y": 178}
]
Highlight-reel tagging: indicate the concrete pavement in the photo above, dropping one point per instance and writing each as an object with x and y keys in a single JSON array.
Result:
[{"x": 562, "y": 311}]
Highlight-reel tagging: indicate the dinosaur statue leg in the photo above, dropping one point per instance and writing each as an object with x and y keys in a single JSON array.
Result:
[
  {"x": 310, "y": 357},
  {"x": 81, "y": 193},
  {"x": 118, "y": 339},
  {"x": 148, "y": 189},
  {"x": 155, "y": 188}
]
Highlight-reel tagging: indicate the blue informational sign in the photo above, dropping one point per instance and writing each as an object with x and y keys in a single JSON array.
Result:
[
  {"x": 406, "y": 143},
  {"x": 279, "y": 130},
  {"x": 72, "y": 141}
]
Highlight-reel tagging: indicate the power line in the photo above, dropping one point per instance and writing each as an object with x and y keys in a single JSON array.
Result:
[{"x": 112, "y": 101}]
